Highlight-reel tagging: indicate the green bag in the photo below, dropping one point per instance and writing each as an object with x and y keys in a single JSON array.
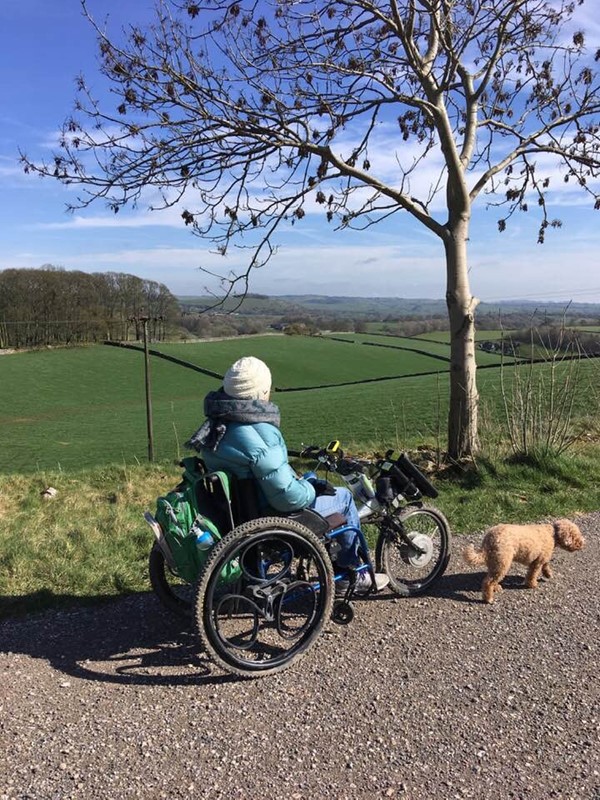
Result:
[{"x": 183, "y": 512}]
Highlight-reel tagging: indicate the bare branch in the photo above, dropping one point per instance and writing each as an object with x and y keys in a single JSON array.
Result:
[{"x": 249, "y": 115}]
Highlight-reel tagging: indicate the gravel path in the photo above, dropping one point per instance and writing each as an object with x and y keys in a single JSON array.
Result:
[{"x": 432, "y": 697}]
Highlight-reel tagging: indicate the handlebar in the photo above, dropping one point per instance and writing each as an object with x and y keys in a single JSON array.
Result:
[
  {"x": 404, "y": 473},
  {"x": 335, "y": 461},
  {"x": 311, "y": 451}
]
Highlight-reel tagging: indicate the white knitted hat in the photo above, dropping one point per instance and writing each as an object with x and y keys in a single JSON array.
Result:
[{"x": 249, "y": 378}]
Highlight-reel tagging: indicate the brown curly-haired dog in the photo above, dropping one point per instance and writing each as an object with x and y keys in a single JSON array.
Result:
[{"x": 531, "y": 545}]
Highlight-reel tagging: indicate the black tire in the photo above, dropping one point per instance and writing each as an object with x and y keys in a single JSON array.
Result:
[
  {"x": 284, "y": 572},
  {"x": 342, "y": 613},
  {"x": 412, "y": 570},
  {"x": 175, "y": 594}
]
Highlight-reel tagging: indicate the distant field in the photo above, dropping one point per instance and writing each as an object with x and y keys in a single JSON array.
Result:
[
  {"x": 301, "y": 361},
  {"x": 417, "y": 344},
  {"x": 434, "y": 336},
  {"x": 385, "y": 342},
  {"x": 444, "y": 336},
  {"x": 83, "y": 407}
]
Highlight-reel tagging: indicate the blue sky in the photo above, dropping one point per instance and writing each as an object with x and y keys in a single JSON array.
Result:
[{"x": 43, "y": 47}]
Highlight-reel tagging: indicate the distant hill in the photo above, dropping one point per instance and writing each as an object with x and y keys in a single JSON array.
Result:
[
  {"x": 290, "y": 304},
  {"x": 258, "y": 304}
]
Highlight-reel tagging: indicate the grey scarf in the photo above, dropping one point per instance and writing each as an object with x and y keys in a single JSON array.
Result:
[{"x": 220, "y": 409}]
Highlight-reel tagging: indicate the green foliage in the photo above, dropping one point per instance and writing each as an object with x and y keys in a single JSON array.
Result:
[
  {"x": 390, "y": 315},
  {"x": 52, "y": 306}
]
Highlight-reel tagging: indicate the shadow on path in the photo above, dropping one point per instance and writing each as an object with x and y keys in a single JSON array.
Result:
[
  {"x": 129, "y": 640},
  {"x": 132, "y": 640},
  {"x": 465, "y": 587}
]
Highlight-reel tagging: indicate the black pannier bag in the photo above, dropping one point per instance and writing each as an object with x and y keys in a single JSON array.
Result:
[{"x": 401, "y": 476}]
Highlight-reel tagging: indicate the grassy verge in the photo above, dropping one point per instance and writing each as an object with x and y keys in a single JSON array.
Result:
[
  {"x": 86, "y": 543},
  {"x": 89, "y": 542}
]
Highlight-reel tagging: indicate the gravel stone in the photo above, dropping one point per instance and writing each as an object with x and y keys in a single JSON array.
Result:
[{"x": 430, "y": 697}]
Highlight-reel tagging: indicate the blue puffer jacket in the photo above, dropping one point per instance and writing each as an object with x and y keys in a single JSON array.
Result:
[
  {"x": 258, "y": 450},
  {"x": 251, "y": 448}
]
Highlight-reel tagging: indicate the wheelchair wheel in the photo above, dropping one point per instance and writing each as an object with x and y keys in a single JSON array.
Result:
[
  {"x": 174, "y": 593},
  {"x": 415, "y": 556},
  {"x": 275, "y": 598}
]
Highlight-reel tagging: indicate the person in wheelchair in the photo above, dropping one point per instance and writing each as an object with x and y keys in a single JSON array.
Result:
[{"x": 241, "y": 436}]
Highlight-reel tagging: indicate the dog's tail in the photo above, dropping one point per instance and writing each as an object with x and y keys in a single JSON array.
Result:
[{"x": 472, "y": 556}]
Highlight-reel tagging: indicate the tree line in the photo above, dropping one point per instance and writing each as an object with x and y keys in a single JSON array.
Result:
[{"x": 53, "y": 306}]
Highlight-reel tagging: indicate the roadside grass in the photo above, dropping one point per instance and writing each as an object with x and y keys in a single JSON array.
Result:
[
  {"x": 90, "y": 543},
  {"x": 511, "y": 490},
  {"x": 86, "y": 543}
]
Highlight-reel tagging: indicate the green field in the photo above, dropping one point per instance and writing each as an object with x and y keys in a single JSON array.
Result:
[
  {"x": 306, "y": 361},
  {"x": 436, "y": 347},
  {"x": 86, "y": 406},
  {"x": 71, "y": 408},
  {"x": 82, "y": 407},
  {"x": 444, "y": 336}
]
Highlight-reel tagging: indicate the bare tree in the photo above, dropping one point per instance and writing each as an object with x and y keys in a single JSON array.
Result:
[{"x": 250, "y": 114}]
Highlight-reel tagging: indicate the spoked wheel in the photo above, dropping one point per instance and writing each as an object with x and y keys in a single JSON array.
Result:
[
  {"x": 174, "y": 593},
  {"x": 272, "y": 606},
  {"x": 415, "y": 556}
]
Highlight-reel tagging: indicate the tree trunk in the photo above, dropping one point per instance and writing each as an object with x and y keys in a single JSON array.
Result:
[{"x": 463, "y": 439}]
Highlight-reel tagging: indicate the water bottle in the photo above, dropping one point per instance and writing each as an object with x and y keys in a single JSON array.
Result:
[
  {"x": 367, "y": 487},
  {"x": 364, "y": 493},
  {"x": 204, "y": 539},
  {"x": 361, "y": 486}
]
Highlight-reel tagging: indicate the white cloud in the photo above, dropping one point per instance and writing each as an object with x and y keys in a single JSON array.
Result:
[
  {"x": 375, "y": 263},
  {"x": 170, "y": 217}
]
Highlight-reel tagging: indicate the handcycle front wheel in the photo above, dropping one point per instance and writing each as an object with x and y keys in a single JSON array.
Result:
[
  {"x": 263, "y": 597},
  {"x": 417, "y": 554},
  {"x": 173, "y": 592}
]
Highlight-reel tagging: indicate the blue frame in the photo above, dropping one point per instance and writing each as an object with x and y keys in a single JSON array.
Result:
[{"x": 365, "y": 553}]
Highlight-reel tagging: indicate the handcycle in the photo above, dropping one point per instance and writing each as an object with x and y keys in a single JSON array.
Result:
[{"x": 270, "y": 584}]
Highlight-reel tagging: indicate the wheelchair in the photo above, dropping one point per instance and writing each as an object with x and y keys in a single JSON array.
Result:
[{"x": 268, "y": 587}]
